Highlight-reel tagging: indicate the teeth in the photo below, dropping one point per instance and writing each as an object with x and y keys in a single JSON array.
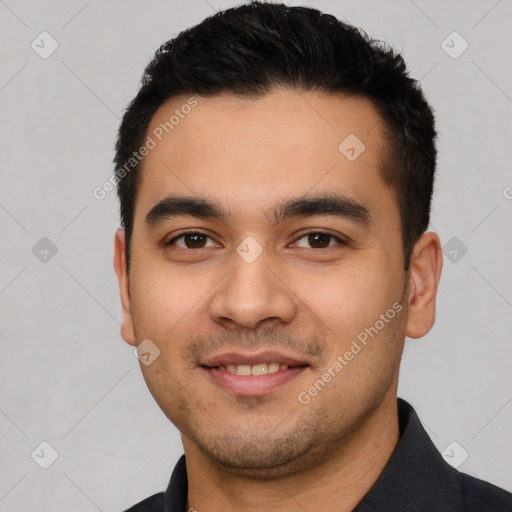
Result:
[
  {"x": 259, "y": 369},
  {"x": 256, "y": 369},
  {"x": 273, "y": 367},
  {"x": 243, "y": 369}
]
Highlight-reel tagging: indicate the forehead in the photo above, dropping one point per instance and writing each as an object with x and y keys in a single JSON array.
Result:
[{"x": 251, "y": 152}]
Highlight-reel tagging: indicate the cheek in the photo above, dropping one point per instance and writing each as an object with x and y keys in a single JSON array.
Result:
[
  {"x": 151, "y": 306},
  {"x": 350, "y": 296},
  {"x": 169, "y": 306},
  {"x": 159, "y": 300}
]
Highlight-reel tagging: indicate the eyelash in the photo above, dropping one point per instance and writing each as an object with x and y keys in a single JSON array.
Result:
[{"x": 338, "y": 239}]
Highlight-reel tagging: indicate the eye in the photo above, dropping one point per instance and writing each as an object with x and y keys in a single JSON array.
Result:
[
  {"x": 320, "y": 240},
  {"x": 190, "y": 240},
  {"x": 198, "y": 240}
]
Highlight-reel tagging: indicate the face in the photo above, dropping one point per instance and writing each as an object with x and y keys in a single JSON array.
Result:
[{"x": 267, "y": 273}]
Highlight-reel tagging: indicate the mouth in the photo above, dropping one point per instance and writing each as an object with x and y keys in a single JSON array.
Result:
[{"x": 252, "y": 375}]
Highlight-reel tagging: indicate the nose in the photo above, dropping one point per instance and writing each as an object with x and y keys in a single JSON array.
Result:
[{"x": 252, "y": 294}]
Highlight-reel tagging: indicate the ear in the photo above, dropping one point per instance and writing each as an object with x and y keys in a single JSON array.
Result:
[
  {"x": 424, "y": 274},
  {"x": 127, "y": 331}
]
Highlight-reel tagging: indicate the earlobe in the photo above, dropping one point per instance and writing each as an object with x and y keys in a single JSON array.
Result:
[
  {"x": 127, "y": 331},
  {"x": 424, "y": 274}
]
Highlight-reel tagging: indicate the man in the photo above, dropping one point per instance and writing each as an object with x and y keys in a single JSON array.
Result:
[{"x": 275, "y": 178}]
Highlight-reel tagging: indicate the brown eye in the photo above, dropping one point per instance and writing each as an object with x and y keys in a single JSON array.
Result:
[
  {"x": 190, "y": 241},
  {"x": 193, "y": 241},
  {"x": 319, "y": 240}
]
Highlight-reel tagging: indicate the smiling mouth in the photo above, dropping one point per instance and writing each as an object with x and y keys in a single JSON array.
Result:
[
  {"x": 252, "y": 376},
  {"x": 255, "y": 369}
]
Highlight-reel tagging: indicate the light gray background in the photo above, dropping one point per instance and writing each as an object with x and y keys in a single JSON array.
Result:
[{"x": 66, "y": 375}]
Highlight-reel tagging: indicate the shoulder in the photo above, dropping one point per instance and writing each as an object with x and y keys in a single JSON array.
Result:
[
  {"x": 419, "y": 478},
  {"x": 479, "y": 495},
  {"x": 154, "y": 503}
]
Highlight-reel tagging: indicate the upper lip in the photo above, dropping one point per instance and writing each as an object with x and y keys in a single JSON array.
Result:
[{"x": 238, "y": 358}]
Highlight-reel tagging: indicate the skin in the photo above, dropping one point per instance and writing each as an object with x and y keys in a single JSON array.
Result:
[{"x": 271, "y": 452}]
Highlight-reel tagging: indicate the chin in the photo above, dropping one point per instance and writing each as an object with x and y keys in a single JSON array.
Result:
[{"x": 257, "y": 455}]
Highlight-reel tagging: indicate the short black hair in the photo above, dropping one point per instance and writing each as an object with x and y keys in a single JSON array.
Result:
[{"x": 254, "y": 48}]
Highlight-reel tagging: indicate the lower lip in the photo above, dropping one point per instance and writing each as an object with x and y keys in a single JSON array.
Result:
[{"x": 252, "y": 385}]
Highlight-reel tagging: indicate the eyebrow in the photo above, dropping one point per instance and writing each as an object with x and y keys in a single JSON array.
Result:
[{"x": 333, "y": 204}]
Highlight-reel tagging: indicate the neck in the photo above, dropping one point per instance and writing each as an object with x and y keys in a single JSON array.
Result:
[{"x": 338, "y": 482}]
